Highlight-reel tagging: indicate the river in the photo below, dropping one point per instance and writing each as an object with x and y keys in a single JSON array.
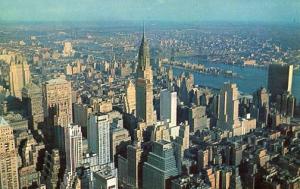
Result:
[{"x": 251, "y": 79}]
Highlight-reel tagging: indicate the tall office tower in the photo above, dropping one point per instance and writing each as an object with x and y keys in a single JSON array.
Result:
[
  {"x": 68, "y": 49},
  {"x": 120, "y": 138},
  {"x": 52, "y": 170},
  {"x": 224, "y": 177},
  {"x": 261, "y": 106},
  {"x": 31, "y": 153},
  {"x": 184, "y": 137},
  {"x": 134, "y": 159},
  {"x": 73, "y": 147},
  {"x": 203, "y": 158},
  {"x": 285, "y": 104},
  {"x": 99, "y": 136},
  {"x": 190, "y": 82},
  {"x": 228, "y": 113},
  {"x": 194, "y": 96},
  {"x": 280, "y": 78},
  {"x": 168, "y": 106},
  {"x": 32, "y": 98},
  {"x": 130, "y": 99},
  {"x": 57, "y": 101},
  {"x": 198, "y": 119},
  {"x": 261, "y": 97},
  {"x": 160, "y": 166},
  {"x": 81, "y": 114},
  {"x": 183, "y": 91},
  {"x": 158, "y": 65},
  {"x": 19, "y": 75},
  {"x": 8, "y": 157},
  {"x": 170, "y": 74},
  {"x": 144, "y": 85}
]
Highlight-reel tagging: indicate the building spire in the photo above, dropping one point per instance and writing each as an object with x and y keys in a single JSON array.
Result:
[
  {"x": 144, "y": 54},
  {"x": 143, "y": 30},
  {"x": 143, "y": 43}
]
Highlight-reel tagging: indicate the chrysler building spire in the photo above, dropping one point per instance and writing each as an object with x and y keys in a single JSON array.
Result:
[{"x": 144, "y": 56}]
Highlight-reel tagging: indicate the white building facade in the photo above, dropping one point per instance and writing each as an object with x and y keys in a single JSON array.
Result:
[
  {"x": 73, "y": 147},
  {"x": 168, "y": 106},
  {"x": 98, "y": 134}
]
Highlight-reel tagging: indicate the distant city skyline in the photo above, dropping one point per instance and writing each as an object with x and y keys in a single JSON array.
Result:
[
  {"x": 159, "y": 10},
  {"x": 100, "y": 104}
]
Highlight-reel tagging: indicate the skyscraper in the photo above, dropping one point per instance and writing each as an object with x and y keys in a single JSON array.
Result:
[
  {"x": 203, "y": 158},
  {"x": 182, "y": 143},
  {"x": 119, "y": 138},
  {"x": 168, "y": 106},
  {"x": 57, "y": 101},
  {"x": 160, "y": 166},
  {"x": 280, "y": 78},
  {"x": 170, "y": 74},
  {"x": 134, "y": 155},
  {"x": 31, "y": 153},
  {"x": 99, "y": 136},
  {"x": 73, "y": 147},
  {"x": 184, "y": 137},
  {"x": 130, "y": 99},
  {"x": 29, "y": 148},
  {"x": 105, "y": 178},
  {"x": 81, "y": 114},
  {"x": 198, "y": 120},
  {"x": 8, "y": 157},
  {"x": 52, "y": 169},
  {"x": 33, "y": 100},
  {"x": 190, "y": 82},
  {"x": 183, "y": 90},
  {"x": 228, "y": 111},
  {"x": 261, "y": 106},
  {"x": 130, "y": 168},
  {"x": 285, "y": 104},
  {"x": 144, "y": 85},
  {"x": 19, "y": 75},
  {"x": 185, "y": 84},
  {"x": 68, "y": 49}
]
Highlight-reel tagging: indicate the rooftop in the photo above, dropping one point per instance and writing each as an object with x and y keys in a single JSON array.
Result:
[
  {"x": 3, "y": 122},
  {"x": 59, "y": 80}
]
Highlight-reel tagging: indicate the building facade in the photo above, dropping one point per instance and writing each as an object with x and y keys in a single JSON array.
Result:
[
  {"x": 73, "y": 147},
  {"x": 19, "y": 75},
  {"x": 33, "y": 100},
  {"x": 130, "y": 98},
  {"x": 99, "y": 136},
  {"x": 168, "y": 106},
  {"x": 160, "y": 166},
  {"x": 8, "y": 157},
  {"x": 57, "y": 101},
  {"x": 228, "y": 107},
  {"x": 144, "y": 85},
  {"x": 280, "y": 78}
]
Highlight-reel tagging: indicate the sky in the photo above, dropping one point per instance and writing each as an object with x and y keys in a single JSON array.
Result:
[{"x": 156, "y": 10}]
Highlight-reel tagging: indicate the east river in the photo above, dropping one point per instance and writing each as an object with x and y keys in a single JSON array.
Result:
[{"x": 251, "y": 78}]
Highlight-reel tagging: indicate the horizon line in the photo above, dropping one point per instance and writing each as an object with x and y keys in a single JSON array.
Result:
[{"x": 295, "y": 23}]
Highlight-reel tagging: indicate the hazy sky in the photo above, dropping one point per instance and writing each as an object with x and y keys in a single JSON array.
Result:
[{"x": 166, "y": 10}]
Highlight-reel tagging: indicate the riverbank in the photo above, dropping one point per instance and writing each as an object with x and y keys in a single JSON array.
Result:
[
  {"x": 252, "y": 78},
  {"x": 202, "y": 69}
]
